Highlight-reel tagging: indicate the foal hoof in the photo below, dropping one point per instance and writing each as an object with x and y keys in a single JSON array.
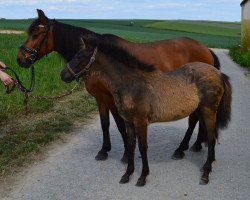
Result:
[
  {"x": 101, "y": 155},
  {"x": 124, "y": 179},
  {"x": 124, "y": 158},
  {"x": 178, "y": 155},
  {"x": 204, "y": 181},
  {"x": 141, "y": 182},
  {"x": 196, "y": 148}
]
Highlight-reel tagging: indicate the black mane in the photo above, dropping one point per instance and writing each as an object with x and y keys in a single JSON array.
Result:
[
  {"x": 122, "y": 55},
  {"x": 33, "y": 25},
  {"x": 67, "y": 39}
]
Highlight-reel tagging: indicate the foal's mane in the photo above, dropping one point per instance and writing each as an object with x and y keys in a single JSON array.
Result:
[{"x": 118, "y": 53}]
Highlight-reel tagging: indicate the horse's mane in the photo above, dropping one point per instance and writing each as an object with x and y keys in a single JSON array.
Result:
[
  {"x": 117, "y": 53},
  {"x": 33, "y": 25},
  {"x": 71, "y": 39}
]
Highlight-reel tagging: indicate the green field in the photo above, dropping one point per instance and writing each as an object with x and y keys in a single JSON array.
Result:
[
  {"x": 203, "y": 27},
  {"x": 213, "y": 34}
]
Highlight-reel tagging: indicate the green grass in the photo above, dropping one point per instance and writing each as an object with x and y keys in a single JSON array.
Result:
[
  {"x": 47, "y": 72},
  {"x": 240, "y": 57},
  {"x": 22, "y": 137}
]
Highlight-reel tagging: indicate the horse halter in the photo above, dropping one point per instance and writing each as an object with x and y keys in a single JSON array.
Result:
[
  {"x": 85, "y": 70},
  {"x": 34, "y": 53}
]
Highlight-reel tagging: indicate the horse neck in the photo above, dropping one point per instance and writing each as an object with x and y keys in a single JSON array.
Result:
[{"x": 67, "y": 39}]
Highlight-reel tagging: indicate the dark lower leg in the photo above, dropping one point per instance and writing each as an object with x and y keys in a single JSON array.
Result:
[
  {"x": 145, "y": 168},
  {"x": 207, "y": 168},
  {"x": 131, "y": 152},
  {"x": 122, "y": 129},
  {"x": 179, "y": 152},
  {"x": 197, "y": 145},
  {"x": 209, "y": 117},
  {"x": 106, "y": 146}
]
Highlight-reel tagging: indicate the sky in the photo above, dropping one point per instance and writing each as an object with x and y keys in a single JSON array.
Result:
[{"x": 216, "y": 10}]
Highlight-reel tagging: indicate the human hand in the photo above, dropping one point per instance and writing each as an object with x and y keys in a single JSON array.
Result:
[
  {"x": 2, "y": 65},
  {"x": 5, "y": 78}
]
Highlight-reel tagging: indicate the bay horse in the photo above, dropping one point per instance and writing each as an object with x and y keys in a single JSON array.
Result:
[
  {"x": 46, "y": 35},
  {"x": 145, "y": 95}
]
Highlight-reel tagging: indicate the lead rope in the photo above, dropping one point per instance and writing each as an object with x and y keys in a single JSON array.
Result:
[{"x": 27, "y": 92}]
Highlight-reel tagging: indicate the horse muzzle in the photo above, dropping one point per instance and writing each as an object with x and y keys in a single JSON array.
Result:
[{"x": 26, "y": 63}]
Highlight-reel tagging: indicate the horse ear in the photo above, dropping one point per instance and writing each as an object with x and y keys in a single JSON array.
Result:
[{"x": 42, "y": 16}]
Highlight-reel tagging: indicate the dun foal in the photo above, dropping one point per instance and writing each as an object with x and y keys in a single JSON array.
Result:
[{"x": 146, "y": 95}]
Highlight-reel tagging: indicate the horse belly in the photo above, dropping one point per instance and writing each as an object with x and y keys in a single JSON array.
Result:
[{"x": 180, "y": 105}]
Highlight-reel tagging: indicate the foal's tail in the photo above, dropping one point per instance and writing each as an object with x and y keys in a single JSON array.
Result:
[
  {"x": 224, "y": 109},
  {"x": 216, "y": 60}
]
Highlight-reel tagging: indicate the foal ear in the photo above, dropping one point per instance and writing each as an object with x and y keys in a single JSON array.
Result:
[
  {"x": 82, "y": 43},
  {"x": 42, "y": 16}
]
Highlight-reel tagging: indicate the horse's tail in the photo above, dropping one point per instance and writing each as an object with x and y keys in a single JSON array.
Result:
[
  {"x": 224, "y": 110},
  {"x": 216, "y": 60}
]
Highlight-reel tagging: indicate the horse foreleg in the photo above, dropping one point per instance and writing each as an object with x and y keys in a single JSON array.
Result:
[
  {"x": 141, "y": 133},
  {"x": 210, "y": 122},
  {"x": 131, "y": 152},
  {"x": 104, "y": 117},
  {"x": 122, "y": 129},
  {"x": 179, "y": 152}
]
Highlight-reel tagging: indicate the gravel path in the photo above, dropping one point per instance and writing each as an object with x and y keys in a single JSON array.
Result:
[{"x": 71, "y": 172}]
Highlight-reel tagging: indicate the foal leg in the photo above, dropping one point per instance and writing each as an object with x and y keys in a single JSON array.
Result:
[
  {"x": 210, "y": 121},
  {"x": 179, "y": 152},
  {"x": 141, "y": 133},
  {"x": 106, "y": 146},
  {"x": 131, "y": 152},
  {"x": 122, "y": 129}
]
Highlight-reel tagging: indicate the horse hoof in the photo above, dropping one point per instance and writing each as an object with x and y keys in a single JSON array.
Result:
[
  {"x": 141, "y": 182},
  {"x": 124, "y": 179},
  {"x": 196, "y": 148},
  {"x": 204, "y": 181},
  {"x": 101, "y": 156},
  {"x": 124, "y": 158},
  {"x": 178, "y": 155}
]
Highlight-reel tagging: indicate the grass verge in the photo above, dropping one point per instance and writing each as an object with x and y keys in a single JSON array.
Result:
[
  {"x": 23, "y": 138},
  {"x": 240, "y": 57}
]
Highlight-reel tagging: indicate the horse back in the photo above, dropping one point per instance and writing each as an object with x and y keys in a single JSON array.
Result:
[{"x": 168, "y": 55}]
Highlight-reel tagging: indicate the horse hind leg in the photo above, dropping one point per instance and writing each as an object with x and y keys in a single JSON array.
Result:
[
  {"x": 105, "y": 123},
  {"x": 209, "y": 116},
  {"x": 197, "y": 145},
  {"x": 179, "y": 152}
]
